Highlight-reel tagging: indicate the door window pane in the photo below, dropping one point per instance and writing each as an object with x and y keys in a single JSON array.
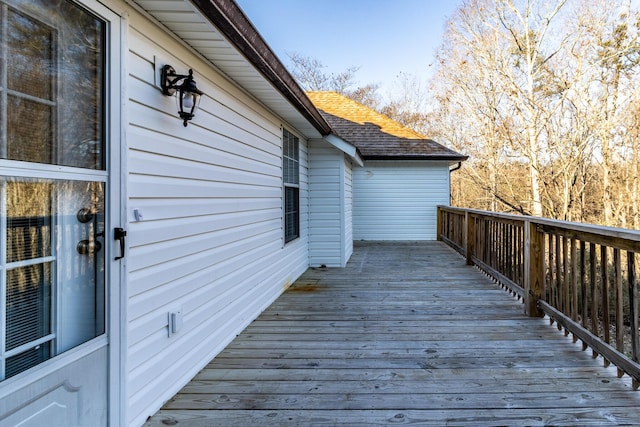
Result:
[
  {"x": 28, "y": 359},
  {"x": 54, "y": 268},
  {"x": 32, "y": 143},
  {"x": 53, "y": 63},
  {"x": 28, "y": 220},
  {"x": 28, "y": 304},
  {"x": 31, "y": 69}
]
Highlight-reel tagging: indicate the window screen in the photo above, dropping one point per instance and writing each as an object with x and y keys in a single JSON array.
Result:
[{"x": 291, "y": 179}]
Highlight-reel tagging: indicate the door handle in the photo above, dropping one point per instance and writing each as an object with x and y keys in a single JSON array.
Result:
[
  {"x": 120, "y": 234},
  {"x": 84, "y": 215},
  {"x": 87, "y": 247}
]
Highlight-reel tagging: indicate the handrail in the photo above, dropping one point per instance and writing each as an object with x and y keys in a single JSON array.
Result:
[{"x": 584, "y": 277}]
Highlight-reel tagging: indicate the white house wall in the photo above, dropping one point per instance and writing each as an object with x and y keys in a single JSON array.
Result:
[
  {"x": 330, "y": 241},
  {"x": 210, "y": 244},
  {"x": 397, "y": 200}
]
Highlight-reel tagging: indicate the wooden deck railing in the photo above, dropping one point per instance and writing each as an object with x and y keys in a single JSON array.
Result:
[{"x": 584, "y": 277}]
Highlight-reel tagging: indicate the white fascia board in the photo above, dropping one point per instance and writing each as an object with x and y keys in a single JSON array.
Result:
[{"x": 345, "y": 147}]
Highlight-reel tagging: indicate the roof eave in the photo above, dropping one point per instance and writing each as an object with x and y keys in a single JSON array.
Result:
[
  {"x": 346, "y": 147},
  {"x": 233, "y": 24},
  {"x": 452, "y": 158}
]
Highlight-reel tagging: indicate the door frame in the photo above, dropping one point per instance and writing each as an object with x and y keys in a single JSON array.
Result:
[{"x": 116, "y": 298}]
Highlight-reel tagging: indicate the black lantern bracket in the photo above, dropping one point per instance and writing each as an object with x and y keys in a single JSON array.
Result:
[{"x": 184, "y": 88}]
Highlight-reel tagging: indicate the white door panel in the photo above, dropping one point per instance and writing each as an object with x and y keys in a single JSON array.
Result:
[{"x": 63, "y": 398}]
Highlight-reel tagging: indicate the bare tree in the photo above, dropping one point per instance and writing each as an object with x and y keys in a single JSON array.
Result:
[
  {"x": 546, "y": 85},
  {"x": 497, "y": 60},
  {"x": 309, "y": 73},
  {"x": 613, "y": 54}
]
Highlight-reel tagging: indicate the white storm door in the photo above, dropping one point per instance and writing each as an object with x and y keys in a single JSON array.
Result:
[{"x": 55, "y": 198}]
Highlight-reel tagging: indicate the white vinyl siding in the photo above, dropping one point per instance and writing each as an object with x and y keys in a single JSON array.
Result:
[
  {"x": 398, "y": 200},
  {"x": 210, "y": 243},
  {"x": 329, "y": 243}
]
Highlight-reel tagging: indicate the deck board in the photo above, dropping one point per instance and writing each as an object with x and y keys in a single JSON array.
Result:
[{"x": 405, "y": 334}]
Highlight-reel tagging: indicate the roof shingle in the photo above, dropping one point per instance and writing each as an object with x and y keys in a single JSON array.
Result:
[{"x": 375, "y": 135}]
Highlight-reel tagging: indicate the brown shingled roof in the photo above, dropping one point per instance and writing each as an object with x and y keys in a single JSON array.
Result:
[{"x": 376, "y": 135}]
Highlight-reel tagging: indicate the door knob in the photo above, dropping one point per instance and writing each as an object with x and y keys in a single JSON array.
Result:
[
  {"x": 84, "y": 215},
  {"x": 86, "y": 247}
]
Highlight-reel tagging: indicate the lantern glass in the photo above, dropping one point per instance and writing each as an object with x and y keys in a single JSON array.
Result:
[{"x": 187, "y": 104}]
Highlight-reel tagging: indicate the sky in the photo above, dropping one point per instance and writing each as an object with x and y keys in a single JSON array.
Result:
[{"x": 382, "y": 37}]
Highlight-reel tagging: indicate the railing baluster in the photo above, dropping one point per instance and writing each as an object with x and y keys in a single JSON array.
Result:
[
  {"x": 497, "y": 248},
  {"x": 617, "y": 262},
  {"x": 505, "y": 249},
  {"x": 559, "y": 274},
  {"x": 520, "y": 254},
  {"x": 501, "y": 242},
  {"x": 487, "y": 242},
  {"x": 479, "y": 241},
  {"x": 553, "y": 299},
  {"x": 481, "y": 238},
  {"x": 573, "y": 310},
  {"x": 470, "y": 238},
  {"x": 452, "y": 219},
  {"x": 574, "y": 279},
  {"x": 633, "y": 306},
  {"x": 492, "y": 250},
  {"x": 593, "y": 291},
  {"x": 566, "y": 296},
  {"x": 501, "y": 239},
  {"x": 510, "y": 252},
  {"x": 516, "y": 254},
  {"x": 583, "y": 291},
  {"x": 604, "y": 275},
  {"x": 488, "y": 246}
]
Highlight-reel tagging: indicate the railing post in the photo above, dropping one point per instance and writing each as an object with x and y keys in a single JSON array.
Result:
[
  {"x": 533, "y": 268},
  {"x": 438, "y": 223},
  {"x": 469, "y": 238}
]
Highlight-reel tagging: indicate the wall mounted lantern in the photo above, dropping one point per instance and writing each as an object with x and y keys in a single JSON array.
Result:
[{"x": 184, "y": 87}]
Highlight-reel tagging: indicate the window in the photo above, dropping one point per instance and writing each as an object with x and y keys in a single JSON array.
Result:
[
  {"x": 291, "y": 179},
  {"x": 53, "y": 73},
  {"x": 52, "y": 268}
]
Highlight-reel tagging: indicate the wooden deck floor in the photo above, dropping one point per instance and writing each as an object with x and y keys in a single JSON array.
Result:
[{"x": 406, "y": 334}]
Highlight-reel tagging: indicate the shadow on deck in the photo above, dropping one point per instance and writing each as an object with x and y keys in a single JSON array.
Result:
[{"x": 405, "y": 334}]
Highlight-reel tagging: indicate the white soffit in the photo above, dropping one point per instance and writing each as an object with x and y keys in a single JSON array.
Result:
[{"x": 185, "y": 21}]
